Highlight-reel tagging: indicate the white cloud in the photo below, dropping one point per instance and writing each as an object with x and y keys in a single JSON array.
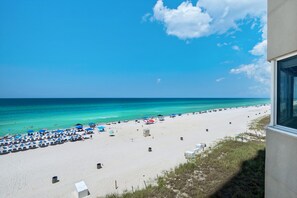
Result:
[
  {"x": 186, "y": 22},
  {"x": 259, "y": 70},
  {"x": 222, "y": 44},
  {"x": 236, "y": 48},
  {"x": 248, "y": 69},
  {"x": 227, "y": 13},
  {"x": 207, "y": 17},
  {"x": 260, "y": 49},
  {"x": 220, "y": 79}
]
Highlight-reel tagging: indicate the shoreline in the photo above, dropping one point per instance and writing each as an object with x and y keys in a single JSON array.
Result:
[
  {"x": 129, "y": 120},
  {"x": 125, "y": 157},
  {"x": 19, "y": 116}
]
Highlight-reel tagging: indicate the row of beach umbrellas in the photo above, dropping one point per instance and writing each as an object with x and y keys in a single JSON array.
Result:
[{"x": 77, "y": 126}]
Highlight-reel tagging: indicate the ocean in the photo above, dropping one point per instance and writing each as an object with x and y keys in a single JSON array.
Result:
[{"x": 19, "y": 115}]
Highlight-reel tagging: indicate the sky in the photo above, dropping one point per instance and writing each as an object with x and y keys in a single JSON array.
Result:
[{"x": 147, "y": 48}]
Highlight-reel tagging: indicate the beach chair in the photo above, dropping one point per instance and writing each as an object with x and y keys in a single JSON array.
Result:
[{"x": 111, "y": 133}]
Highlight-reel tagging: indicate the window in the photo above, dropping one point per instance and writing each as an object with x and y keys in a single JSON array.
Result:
[{"x": 287, "y": 92}]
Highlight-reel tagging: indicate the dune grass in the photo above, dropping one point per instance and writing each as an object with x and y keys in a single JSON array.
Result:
[
  {"x": 260, "y": 123},
  {"x": 230, "y": 169}
]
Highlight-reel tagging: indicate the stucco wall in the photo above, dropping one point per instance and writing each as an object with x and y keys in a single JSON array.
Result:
[
  {"x": 282, "y": 28},
  {"x": 281, "y": 165}
]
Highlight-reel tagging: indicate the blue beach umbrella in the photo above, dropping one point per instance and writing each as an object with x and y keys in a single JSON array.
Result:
[
  {"x": 60, "y": 131},
  {"x": 42, "y": 131},
  {"x": 101, "y": 128},
  {"x": 92, "y": 124},
  {"x": 18, "y": 137},
  {"x": 30, "y": 132},
  {"x": 89, "y": 129},
  {"x": 79, "y": 126}
]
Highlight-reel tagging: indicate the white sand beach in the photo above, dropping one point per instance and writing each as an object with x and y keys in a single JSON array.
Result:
[{"x": 125, "y": 156}]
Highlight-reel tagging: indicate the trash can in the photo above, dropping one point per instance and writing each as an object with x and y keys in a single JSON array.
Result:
[
  {"x": 150, "y": 149},
  {"x": 55, "y": 179},
  {"x": 99, "y": 165},
  {"x": 181, "y": 138}
]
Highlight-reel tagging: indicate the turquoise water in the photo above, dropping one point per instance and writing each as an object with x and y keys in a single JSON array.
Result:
[{"x": 19, "y": 115}]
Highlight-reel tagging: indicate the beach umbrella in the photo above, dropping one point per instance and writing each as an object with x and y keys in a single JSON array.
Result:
[
  {"x": 79, "y": 126},
  {"x": 101, "y": 128},
  {"x": 30, "y": 132},
  {"x": 18, "y": 137},
  {"x": 89, "y": 129},
  {"x": 151, "y": 121},
  {"x": 60, "y": 131},
  {"x": 92, "y": 124},
  {"x": 42, "y": 131}
]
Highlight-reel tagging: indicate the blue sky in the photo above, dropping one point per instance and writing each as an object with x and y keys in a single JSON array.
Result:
[{"x": 132, "y": 49}]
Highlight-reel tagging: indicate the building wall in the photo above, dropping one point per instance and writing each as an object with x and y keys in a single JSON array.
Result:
[
  {"x": 281, "y": 164},
  {"x": 281, "y": 146},
  {"x": 282, "y": 28}
]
